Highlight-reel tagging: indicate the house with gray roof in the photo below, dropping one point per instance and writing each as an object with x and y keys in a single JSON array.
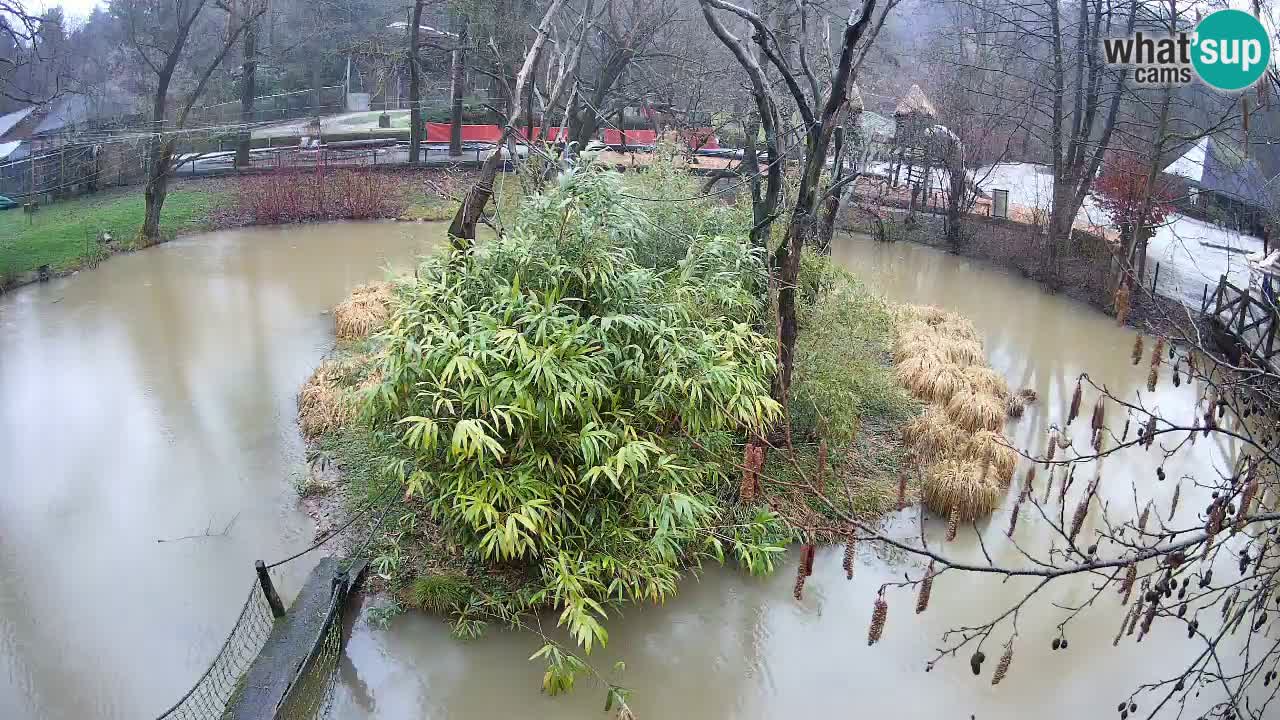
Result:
[{"x": 1225, "y": 183}]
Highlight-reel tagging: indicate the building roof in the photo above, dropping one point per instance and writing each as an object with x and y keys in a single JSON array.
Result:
[
  {"x": 7, "y": 148},
  {"x": 1216, "y": 165},
  {"x": 915, "y": 103},
  {"x": 10, "y": 121}
]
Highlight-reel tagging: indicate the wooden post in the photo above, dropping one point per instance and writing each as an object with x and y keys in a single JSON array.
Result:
[
  {"x": 1217, "y": 296},
  {"x": 1155, "y": 279},
  {"x": 1204, "y": 299},
  {"x": 269, "y": 589}
]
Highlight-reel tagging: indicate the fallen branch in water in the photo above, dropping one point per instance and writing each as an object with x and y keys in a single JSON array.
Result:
[{"x": 208, "y": 531}]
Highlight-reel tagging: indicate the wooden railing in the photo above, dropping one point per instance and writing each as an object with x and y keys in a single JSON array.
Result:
[{"x": 1250, "y": 320}]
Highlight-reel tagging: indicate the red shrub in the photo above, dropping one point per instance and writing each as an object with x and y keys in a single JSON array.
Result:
[
  {"x": 319, "y": 194},
  {"x": 1121, "y": 189}
]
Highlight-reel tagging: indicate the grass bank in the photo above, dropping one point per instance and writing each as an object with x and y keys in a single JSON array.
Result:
[{"x": 64, "y": 235}]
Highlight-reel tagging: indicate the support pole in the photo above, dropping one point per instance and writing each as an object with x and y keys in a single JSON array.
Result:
[{"x": 269, "y": 589}]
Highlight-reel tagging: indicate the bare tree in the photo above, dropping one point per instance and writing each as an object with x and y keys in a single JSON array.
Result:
[
  {"x": 160, "y": 33},
  {"x": 463, "y": 228},
  {"x": 819, "y": 104}
]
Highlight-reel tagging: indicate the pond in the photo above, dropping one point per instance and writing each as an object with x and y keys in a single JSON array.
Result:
[
  {"x": 730, "y": 646},
  {"x": 153, "y": 399}
]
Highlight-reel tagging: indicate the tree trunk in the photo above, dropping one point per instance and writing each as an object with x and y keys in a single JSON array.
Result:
[
  {"x": 161, "y": 155},
  {"x": 457, "y": 86},
  {"x": 462, "y": 231},
  {"x": 248, "y": 88},
  {"x": 415, "y": 86}
]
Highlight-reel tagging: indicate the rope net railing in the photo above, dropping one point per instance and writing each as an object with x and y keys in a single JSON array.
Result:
[{"x": 209, "y": 697}]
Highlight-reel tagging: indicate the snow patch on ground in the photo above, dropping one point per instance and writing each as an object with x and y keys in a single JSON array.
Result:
[{"x": 1191, "y": 253}]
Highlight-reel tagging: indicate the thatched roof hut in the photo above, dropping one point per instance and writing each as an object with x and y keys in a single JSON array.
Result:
[{"x": 915, "y": 104}]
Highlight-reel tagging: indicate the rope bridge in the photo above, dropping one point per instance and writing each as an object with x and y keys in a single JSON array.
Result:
[{"x": 276, "y": 664}]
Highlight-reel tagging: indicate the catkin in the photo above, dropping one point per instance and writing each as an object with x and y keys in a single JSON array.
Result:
[
  {"x": 1075, "y": 403},
  {"x": 1124, "y": 623},
  {"x": 1126, "y": 586},
  {"x": 953, "y": 522},
  {"x": 1122, "y": 303},
  {"x": 1150, "y": 436},
  {"x": 1048, "y": 487},
  {"x": 1142, "y": 520},
  {"x": 1173, "y": 507},
  {"x": 926, "y": 588},
  {"x": 1002, "y": 668},
  {"x": 1099, "y": 414},
  {"x": 1053, "y": 448},
  {"x": 1137, "y": 349},
  {"x": 1147, "y": 618},
  {"x": 1029, "y": 486},
  {"x": 878, "y": 615},
  {"x": 1246, "y": 499},
  {"x": 1152, "y": 377},
  {"x": 1013, "y": 518},
  {"x": 807, "y": 553},
  {"x": 850, "y": 555},
  {"x": 1082, "y": 511}
]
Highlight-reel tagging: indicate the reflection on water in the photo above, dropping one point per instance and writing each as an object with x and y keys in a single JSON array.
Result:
[
  {"x": 730, "y": 646},
  {"x": 148, "y": 400}
]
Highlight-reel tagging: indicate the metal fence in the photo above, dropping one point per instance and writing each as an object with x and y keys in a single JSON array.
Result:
[
  {"x": 272, "y": 108},
  {"x": 209, "y": 697}
]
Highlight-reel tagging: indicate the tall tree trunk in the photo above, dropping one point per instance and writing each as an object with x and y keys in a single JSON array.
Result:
[
  {"x": 160, "y": 154},
  {"x": 462, "y": 231},
  {"x": 457, "y": 86},
  {"x": 248, "y": 88},
  {"x": 415, "y": 86}
]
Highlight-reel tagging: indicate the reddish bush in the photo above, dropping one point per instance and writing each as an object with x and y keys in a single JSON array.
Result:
[
  {"x": 319, "y": 194},
  {"x": 1121, "y": 189}
]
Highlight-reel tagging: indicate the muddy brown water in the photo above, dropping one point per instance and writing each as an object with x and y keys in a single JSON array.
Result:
[{"x": 154, "y": 399}]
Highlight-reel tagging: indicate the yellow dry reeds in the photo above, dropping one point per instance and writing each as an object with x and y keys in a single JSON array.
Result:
[
  {"x": 958, "y": 327},
  {"x": 989, "y": 447},
  {"x": 962, "y": 352},
  {"x": 944, "y": 385},
  {"x": 366, "y": 311},
  {"x": 916, "y": 374},
  {"x": 985, "y": 380},
  {"x": 932, "y": 435},
  {"x": 974, "y": 412},
  {"x": 965, "y": 486},
  {"x": 967, "y": 462},
  {"x": 1014, "y": 406},
  {"x": 323, "y": 406}
]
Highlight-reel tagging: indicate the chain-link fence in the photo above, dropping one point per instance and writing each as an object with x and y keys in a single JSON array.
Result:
[{"x": 209, "y": 697}]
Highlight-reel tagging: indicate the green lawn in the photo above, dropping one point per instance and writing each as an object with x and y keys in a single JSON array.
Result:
[{"x": 62, "y": 234}]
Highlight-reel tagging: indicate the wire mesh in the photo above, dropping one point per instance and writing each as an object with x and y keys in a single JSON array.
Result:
[
  {"x": 211, "y": 694},
  {"x": 311, "y": 695}
]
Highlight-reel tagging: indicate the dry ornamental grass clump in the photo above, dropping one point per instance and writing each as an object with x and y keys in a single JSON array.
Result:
[
  {"x": 363, "y": 313},
  {"x": 964, "y": 486},
  {"x": 974, "y": 412},
  {"x": 967, "y": 461},
  {"x": 323, "y": 405}
]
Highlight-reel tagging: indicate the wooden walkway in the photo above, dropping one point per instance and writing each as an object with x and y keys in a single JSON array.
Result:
[{"x": 1244, "y": 323}]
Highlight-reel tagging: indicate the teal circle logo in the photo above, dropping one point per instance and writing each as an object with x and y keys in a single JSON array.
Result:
[{"x": 1231, "y": 50}]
